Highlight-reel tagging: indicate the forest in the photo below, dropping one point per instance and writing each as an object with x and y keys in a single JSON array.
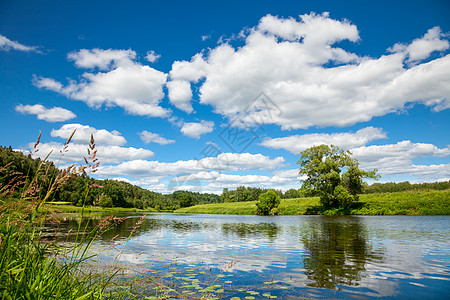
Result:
[{"x": 18, "y": 170}]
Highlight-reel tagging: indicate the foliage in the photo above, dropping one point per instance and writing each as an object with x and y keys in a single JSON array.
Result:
[
  {"x": 243, "y": 194},
  {"x": 103, "y": 193},
  {"x": 231, "y": 208},
  {"x": 390, "y": 187},
  {"x": 267, "y": 202},
  {"x": 400, "y": 203},
  {"x": 323, "y": 166},
  {"x": 185, "y": 199},
  {"x": 32, "y": 264}
]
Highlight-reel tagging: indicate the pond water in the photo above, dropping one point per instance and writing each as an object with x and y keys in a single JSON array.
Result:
[{"x": 289, "y": 257}]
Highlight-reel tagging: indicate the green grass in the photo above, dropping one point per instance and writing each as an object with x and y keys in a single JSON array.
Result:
[
  {"x": 400, "y": 203},
  {"x": 65, "y": 207},
  {"x": 234, "y": 208},
  {"x": 422, "y": 202}
]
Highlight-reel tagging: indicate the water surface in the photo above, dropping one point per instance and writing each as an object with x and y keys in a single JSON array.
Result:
[{"x": 386, "y": 257}]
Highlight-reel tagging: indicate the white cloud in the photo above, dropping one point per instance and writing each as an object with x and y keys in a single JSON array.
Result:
[
  {"x": 215, "y": 182},
  {"x": 297, "y": 143},
  {"x": 76, "y": 152},
  {"x": 6, "y": 45},
  {"x": 180, "y": 94},
  {"x": 102, "y": 59},
  {"x": 206, "y": 37},
  {"x": 195, "y": 130},
  {"x": 223, "y": 162},
  {"x": 397, "y": 160},
  {"x": 152, "y": 56},
  {"x": 192, "y": 71},
  {"x": 125, "y": 83},
  {"x": 313, "y": 81},
  {"x": 47, "y": 83},
  {"x": 83, "y": 135},
  {"x": 54, "y": 114},
  {"x": 421, "y": 48},
  {"x": 149, "y": 137}
]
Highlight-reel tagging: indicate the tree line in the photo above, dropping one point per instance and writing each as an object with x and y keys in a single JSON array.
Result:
[
  {"x": 18, "y": 170},
  {"x": 390, "y": 187}
]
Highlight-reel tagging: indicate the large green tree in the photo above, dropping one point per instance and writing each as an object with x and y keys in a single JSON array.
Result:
[{"x": 333, "y": 174}]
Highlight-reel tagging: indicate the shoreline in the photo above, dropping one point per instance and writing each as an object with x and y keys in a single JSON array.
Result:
[{"x": 421, "y": 202}]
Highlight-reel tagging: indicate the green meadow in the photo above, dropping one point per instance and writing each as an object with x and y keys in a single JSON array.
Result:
[{"x": 400, "y": 203}]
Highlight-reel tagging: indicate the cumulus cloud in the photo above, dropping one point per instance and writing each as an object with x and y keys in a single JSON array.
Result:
[
  {"x": 83, "y": 135},
  {"x": 6, "y": 45},
  {"x": 216, "y": 182},
  {"x": 152, "y": 56},
  {"x": 421, "y": 48},
  {"x": 398, "y": 159},
  {"x": 75, "y": 153},
  {"x": 120, "y": 81},
  {"x": 180, "y": 94},
  {"x": 102, "y": 59},
  {"x": 149, "y": 137},
  {"x": 314, "y": 82},
  {"x": 54, "y": 114},
  {"x": 297, "y": 143},
  {"x": 222, "y": 162},
  {"x": 195, "y": 130},
  {"x": 47, "y": 83}
]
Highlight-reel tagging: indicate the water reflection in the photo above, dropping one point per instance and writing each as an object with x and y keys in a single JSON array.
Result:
[
  {"x": 125, "y": 226},
  {"x": 248, "y": 230},
  {"x": 337, "y": 251},
  {"x": 309, "y": 256}
]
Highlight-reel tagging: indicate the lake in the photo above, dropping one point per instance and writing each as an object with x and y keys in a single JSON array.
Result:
[{"x": 288, "y": 257}]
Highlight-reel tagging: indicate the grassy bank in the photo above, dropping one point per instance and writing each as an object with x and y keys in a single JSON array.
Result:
[
  {"x": 66, "y": 207},
  {"x": 400, "y": 203}
]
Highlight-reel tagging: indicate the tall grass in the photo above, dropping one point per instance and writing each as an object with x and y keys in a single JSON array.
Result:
[{"x": 35, "y": 264}]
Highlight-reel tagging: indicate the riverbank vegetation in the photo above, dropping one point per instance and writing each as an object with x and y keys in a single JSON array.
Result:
[
  {"x": 422, "y": 202},
  {"x": 38, "y": 264},
  {"x": 35, "y": 263},
  {"x": 114, "y": 196},
  {"x": 102, "y": 193}
]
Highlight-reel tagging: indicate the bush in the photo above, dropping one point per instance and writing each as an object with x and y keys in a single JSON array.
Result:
[
  {"x": 267, "y": 201},
  {"x": 342, "y": 197}
]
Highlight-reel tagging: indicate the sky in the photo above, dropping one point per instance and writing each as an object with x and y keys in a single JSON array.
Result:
[{"x": 207, "y": 95}]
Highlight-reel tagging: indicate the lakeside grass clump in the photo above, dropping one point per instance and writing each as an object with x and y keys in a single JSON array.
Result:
[
  {"x": 33, "y": 265},
  {"x": 36, "y": 263},
  {"x": 421, "y": 202}
]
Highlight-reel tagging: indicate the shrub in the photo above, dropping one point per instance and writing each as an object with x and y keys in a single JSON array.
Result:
[
  {"x": 267, "y": 201},
  {"x": 342, "y": 197}
]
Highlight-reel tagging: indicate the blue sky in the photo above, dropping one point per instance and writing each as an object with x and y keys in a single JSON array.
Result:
[{"x": 205, "y": 95}]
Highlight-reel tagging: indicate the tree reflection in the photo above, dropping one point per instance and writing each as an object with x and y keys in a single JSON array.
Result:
[
  {"x": 121, "y": 230},
  {"x": 337, "y": 252},
  {"x": 245, "y": 230}
]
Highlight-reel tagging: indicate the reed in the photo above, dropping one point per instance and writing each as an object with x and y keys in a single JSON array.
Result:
[{"x": 35, "y": 264}]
